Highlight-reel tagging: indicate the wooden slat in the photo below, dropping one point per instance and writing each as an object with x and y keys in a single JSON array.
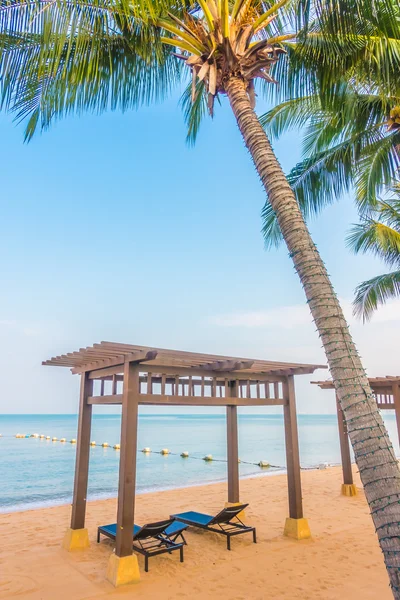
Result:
[
  {"x": 205, "y": 401},
  {"x": 155, "y": 378},
  {"x": 136, "y": 357},
  {"x": 114, "y": 385},
  {"x": 228, "y": 365},
  {"x": 294, "y": 370},
  {"x": 197, "y": 372},
  {"x": 193, "y": 355},
  {"x": 197, "y": 356},
  {"x": 149, "y": 384},
  {"x": 379, "y": 385},
  {"x": 158, "y": 399},
  {"x": 107, "y": 372},
  {"x": 172, "y": 371},
  {"x": 108, "y": 399},
  {"x": 89, "y": 358}
]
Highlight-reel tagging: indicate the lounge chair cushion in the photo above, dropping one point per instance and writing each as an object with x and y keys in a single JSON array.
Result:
[
  {"x": 112, "y": 529},
  {"x": 194, "y": 517},
  {"x": 172, "y": 529},
  {"x": 176, "y": 527}
]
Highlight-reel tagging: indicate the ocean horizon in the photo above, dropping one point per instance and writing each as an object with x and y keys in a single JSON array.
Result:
[{"x": 38, "y": 472}]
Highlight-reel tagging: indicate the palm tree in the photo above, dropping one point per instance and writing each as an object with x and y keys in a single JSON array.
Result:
[
  {"x": 381, "y": 236},
  {"x": 87, "y": 55}
]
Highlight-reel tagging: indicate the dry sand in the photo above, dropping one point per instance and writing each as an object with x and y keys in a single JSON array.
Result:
[{"x": 342, "y": 560}]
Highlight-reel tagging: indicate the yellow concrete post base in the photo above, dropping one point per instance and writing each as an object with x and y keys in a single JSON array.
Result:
[
  {"x": 297, "y": 529},
  {"x": 242, "y": 514},
  {"x": 349, "y": 489},
  {"x": 76, "y": 539},
  {"x": 123, "y": 569}
]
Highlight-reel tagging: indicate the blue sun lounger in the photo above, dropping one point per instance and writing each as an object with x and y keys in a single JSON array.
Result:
[
  {"x": 151, "y": 539},
  {"x": 225, "y": 522}
]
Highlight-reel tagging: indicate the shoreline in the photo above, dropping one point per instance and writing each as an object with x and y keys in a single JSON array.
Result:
[
  {"x": 341, "y": 560},
  {"x": 41, "y": 505}
]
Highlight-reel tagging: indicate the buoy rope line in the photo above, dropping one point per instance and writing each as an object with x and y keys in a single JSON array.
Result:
[{"x": 166, "y": 452}]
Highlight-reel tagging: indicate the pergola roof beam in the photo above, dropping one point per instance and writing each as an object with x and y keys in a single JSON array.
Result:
[
  {"x": 135, "y": 357},
  {"x": 109, "y": 354},
  {"x": 375, "y": 382},
  {"x": 228, "y": 365}
]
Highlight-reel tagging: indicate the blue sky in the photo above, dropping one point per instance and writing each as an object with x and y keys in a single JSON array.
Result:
[{"x": 113, "y": 228}]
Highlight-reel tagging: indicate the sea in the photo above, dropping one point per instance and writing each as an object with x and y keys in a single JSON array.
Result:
[{"x": 37, "y": 472}]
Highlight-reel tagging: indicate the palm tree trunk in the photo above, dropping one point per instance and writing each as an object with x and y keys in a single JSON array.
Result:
[{"x": 373, "y": 450}]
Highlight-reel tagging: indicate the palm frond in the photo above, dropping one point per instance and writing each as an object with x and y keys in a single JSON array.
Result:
[
  {"x": 271, "y": 231},
  {"x": 317, "y": 183},
  {"x": 389, "y": 212},
  {"x": 377, "y": 167},
  {"x": 194, "y": 111},
  {"x": 294, "y": 113},
  {"x": 374, "y": 292},
  {"x": 378, "y": 238},
  {"x": 67, "y": 57}
]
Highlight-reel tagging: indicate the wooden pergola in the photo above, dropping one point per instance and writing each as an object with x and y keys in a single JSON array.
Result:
[
  {"x": 387, "y": 394},
  {"x": 114, "y": 373}
]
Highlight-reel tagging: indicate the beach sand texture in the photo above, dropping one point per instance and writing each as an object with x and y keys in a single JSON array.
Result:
[{"x": 342, "y": 560}]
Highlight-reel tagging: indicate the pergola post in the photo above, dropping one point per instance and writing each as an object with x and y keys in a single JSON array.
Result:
[
  {"x": 296, "y": 525},
  {"x": 396, "y": 401},
  {"x": 233, "y": 448},
  {"x": 76, "y": 537},
  {"x": 123, "y": 564},
  {"x": 348, "y": 487}
]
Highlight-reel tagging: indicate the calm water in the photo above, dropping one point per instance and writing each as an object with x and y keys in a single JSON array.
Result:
[{"x": 38, "y": 472}]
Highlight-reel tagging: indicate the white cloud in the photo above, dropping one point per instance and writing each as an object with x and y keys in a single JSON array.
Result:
[
  {"x": 27, "y": 330},
  {"x": 388, "y": 312},
  {"x": 288, "y": 333},
  {"x": 288, "y": 317},
  {"x": 284, "y": 316}
]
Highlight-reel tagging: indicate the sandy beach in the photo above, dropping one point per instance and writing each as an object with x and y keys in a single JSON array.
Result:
[{"x": 342, "y": 560}]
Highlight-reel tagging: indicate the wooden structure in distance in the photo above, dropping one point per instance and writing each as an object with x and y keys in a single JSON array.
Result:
[
  {"x": 114, "y": 373},
  {"x": 387, "y": 394}
]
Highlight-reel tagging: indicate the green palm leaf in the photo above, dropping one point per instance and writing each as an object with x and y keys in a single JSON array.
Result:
[
  {"x": 194, "y": 111},
  {"x": 79, "y": 57},
  {"x": 380, "y": 235},
  {"x": 378, "y": 166},
  {"x": 370, "y": 294}
]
